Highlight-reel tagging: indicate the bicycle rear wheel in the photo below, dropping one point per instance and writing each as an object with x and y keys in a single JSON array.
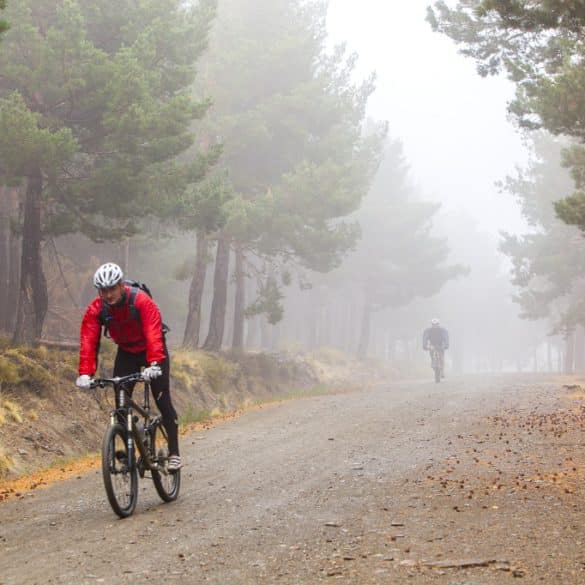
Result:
[
  {"x": 436, "y": 365},
  {"x": 120, "y": 475},
  {"x": 167, "y": 483}
]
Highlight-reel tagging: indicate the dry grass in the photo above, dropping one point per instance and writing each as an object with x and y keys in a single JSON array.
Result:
[
  {"x": 9, "y": 411},
  {"x": 8, "y": 372},
  {"x": 216, "y": 370},
  {"x": 331, "y": 356},
  {"x": 26, "y": 367},
  {"x": 192, "y": 368},
  {"x": 194, "y": 415},
  {"x": 6, "y": 463}
]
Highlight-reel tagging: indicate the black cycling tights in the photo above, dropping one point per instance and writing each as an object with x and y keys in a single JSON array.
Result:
[{"x": 128, "y": 363}]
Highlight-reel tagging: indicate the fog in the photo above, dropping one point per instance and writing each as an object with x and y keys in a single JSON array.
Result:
[
  {"x": 460, "y": 142},
  {"x": 453, "y": 123},
  {"x": 293, "y": 205}
]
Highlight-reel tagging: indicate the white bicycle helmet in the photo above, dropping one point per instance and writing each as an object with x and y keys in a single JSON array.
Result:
[{"x": 107, "y": 275}]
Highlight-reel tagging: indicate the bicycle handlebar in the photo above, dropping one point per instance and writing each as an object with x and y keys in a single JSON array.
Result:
[{"x": 117, "y": 381}]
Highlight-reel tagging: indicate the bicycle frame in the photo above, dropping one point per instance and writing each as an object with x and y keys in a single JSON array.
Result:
[{"x": 126, "y": 409}]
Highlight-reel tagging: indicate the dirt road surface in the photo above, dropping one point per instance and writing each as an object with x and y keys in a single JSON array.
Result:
[{"x": 473, "y": 481}]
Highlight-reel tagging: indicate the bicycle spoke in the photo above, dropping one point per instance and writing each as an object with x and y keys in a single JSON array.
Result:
[{"x": 120, "y": 477}]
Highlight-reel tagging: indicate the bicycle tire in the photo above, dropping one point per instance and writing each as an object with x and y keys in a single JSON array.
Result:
[
  {"x": 121, "y": 482},
  {"x": 167, "y": 484}
]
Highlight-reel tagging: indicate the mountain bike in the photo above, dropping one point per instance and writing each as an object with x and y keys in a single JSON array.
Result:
[
  {"x": 436, "y": 363},
  {"x": 135, "y": 443}
]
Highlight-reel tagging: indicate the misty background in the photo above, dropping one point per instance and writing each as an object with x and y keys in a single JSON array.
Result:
[{"x": 285, "y": 176}]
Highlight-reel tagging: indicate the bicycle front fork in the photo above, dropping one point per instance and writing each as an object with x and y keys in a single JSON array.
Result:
[{"x": 125, "y": 418}]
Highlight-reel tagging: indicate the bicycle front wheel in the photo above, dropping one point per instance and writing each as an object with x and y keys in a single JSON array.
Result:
[
  {"x": 120, "y": 474},
  {"x": 167, "y": 483}
]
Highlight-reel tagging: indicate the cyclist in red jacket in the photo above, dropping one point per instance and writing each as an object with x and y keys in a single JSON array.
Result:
[{"x": 138, "y": 332}]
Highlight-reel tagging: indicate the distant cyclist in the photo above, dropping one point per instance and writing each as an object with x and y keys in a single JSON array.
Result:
[
  {"x": 437, "y": 337},
  {"x": 140, "y": 339}
]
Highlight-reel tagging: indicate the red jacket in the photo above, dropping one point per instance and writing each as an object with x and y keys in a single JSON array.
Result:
[{"x": 131, "y": 334}]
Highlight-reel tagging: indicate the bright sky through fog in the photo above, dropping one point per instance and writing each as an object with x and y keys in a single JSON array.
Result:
[{"x": 452, "y": 122}]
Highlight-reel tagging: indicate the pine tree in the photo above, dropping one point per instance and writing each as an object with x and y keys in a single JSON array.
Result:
[
  {"x": 397, "y": 258},
  {"x": 101, "y": 88},
  {"x": 290, "y": 119},
  {"x": 541, "y": 47},
  {"x": 547, "y": 263}
]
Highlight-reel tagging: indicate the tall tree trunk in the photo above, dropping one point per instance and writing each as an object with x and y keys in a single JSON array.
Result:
[
  {"x": 219, "y": 303},
  {"x": 9, "y": 257},
  {"x": 193, "y": 324},
  {"x": 252, "y": 333},
  {"x": 265, "y": 326},
  {"x": 362, "y": 351},
  {"x": 350, "y": 346},
  {"x": 390, "y": 348},
  {"x": 325, "y": 332},
  {"x": 312, "y": 327},
  {"x": 275, "y": 337},
  {"x": 240, "y": 300},
  {"x": 535, "y": 360},
  {"x": 264, "y": 333},
  {"x": 4, "y": 254},
  {"x": 251, "y": 327},
  {"x": 580, "y": 350},
  {"x": 33, "y": 299},
  {"x": 570, "y": 352},
  {"x": 15, "y": 251}
]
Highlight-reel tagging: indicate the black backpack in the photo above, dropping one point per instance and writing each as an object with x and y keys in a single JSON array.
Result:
[{"x": 135, "y": 287}]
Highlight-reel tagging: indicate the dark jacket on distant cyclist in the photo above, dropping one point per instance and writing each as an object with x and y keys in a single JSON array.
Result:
[
  {"x": 130, "y": 334},
  {"x": 437, "y": 337}
]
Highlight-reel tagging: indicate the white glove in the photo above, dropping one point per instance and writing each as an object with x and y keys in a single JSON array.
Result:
[
  {"x": 84, "y": 382},
  {"x": 152, "y": 372}
]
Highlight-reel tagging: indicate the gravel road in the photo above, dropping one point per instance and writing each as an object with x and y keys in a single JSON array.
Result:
[{"x": 388, "y": 485}]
